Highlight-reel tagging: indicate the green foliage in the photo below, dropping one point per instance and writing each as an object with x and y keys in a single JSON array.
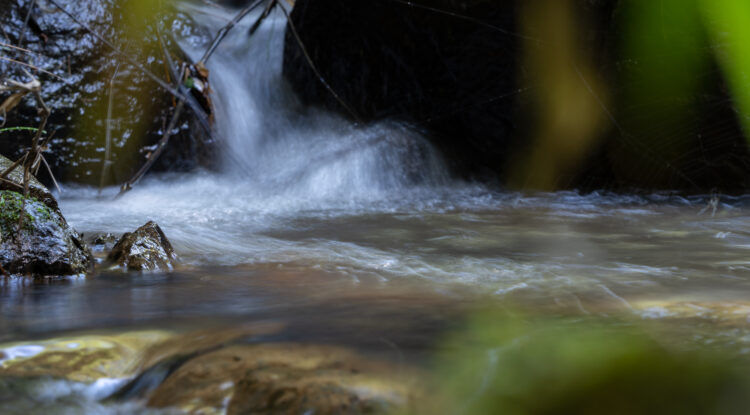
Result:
[
  {"x": 727, "y": 23},
  {"x": 673, "y": 42},
  {"x": 515, "y": 366}
]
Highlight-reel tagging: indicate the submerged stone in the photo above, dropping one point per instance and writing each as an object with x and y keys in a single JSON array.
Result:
[
  {"x": 146, "y": 249},
  {"x": 287, "y": 378},
  {"x": 214, "y": 372},
  {"x": 36, "y": 240},
  {"x": 102, "y": 242}
]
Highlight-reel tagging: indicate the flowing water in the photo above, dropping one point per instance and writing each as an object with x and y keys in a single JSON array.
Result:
[{"x": 357, "y": 236}]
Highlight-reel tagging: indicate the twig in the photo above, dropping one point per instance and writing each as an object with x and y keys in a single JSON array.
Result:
[
  {"x": 108, "y": 134},
  {"x": 26, "y": 23},
  {"x": 51, "y": 175},
  {"x": 12, "y": 167},
  {"x": 8, "y": 45},
  {"x": 34, "y": 155},
  {"x": 167, "y": 57},
  {"x": 467, "y": 18},
  {"x": 262, "y": 17},
  {"x": 36, "y": 68},
  {"x": 13, "y": 184},
  {"x": 225, "y": 30},
  {"x": 315, "y": 69},
  {"x": 156, "y": 153}
]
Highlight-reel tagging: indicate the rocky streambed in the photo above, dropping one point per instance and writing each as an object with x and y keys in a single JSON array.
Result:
[
  {"x": 333, "y": 267},
  {"x": 206, "y": 372},
  {"x": 36, "y": 240}
]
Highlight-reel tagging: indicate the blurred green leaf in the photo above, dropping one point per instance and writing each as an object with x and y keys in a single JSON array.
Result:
[
  {"x": 728, "y": 23},
  {"x": 528, "y": 366}
]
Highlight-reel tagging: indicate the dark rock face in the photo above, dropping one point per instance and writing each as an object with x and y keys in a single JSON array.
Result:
[
  {"x": 460, "y": 70},
  {"x": 391, "y": 59},
  {"x": 36, "y": 240},
  {"x": 146, "y": 249},
  {"x": 78, "y": 91}
]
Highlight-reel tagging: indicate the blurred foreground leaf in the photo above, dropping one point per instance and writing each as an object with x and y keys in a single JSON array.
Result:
[
  {"x": 504, "y": 365},
  {"x": 728, "y": 23}
]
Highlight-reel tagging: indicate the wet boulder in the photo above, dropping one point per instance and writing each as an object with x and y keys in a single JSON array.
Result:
[
  {"x": 36, "y": 240},
  {"x": 146, "y": 249},
  {"x": 79, "y": 74}
]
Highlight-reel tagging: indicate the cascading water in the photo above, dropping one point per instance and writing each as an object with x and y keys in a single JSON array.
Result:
[
  {"x": 303, "y": 188},
  {"x": 278, "y": 160},
  {"x": 272, "y": 149}
]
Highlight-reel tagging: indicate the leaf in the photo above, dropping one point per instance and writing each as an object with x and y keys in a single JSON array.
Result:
[
  {"x": 12, "y": 101},
  {"x": 202, "y": 70}
]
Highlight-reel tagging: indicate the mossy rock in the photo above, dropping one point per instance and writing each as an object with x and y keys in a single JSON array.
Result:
[{"x": 35, "y": 239}]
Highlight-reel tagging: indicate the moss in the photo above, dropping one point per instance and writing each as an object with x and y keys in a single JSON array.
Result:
[{"x": 11, "y": 206}]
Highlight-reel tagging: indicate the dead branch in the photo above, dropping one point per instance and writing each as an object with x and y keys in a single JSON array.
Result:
[
  {"x": 263, "y": 16},
  {"x": 310, "y": 62},
  {"x": 156, "y": 153},
  {"x": 9, "y": 46},
  {"x": 465, "y": 17},
  {"x": 26, "y": 23},
  {"x": 225, "y": 30},
  {"x": 108, "y": 133},
  {"x": 33, "y": 67}
]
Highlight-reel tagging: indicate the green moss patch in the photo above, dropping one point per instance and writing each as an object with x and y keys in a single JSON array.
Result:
[{"x": 11, "y": 208}]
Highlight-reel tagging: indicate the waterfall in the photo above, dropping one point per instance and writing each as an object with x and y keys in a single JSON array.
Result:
[
  {"x": 272, "y": 145},
  {"x": 281, "y": 163}
]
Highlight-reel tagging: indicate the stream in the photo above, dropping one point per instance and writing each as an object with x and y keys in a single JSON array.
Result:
[{"x": 322, "y": 232}]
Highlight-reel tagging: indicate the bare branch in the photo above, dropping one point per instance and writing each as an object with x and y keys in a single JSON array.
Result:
[
  {"x": 315, "y": 68},
  {"x": 33, "y": 67},
  {"x": 108, "y": 134},
  {"x": 224, "y": 30}
]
